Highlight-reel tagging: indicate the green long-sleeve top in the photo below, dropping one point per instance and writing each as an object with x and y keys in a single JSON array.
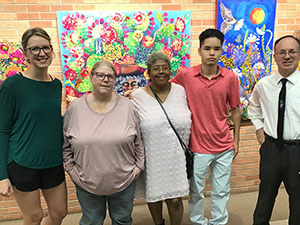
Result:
[{"x": 30, "y": 123}]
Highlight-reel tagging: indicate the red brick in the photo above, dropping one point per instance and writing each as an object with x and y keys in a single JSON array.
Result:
[
  {"x": 13, "y": 8},
  {"x": 48, "y": 16},
  {"x": 203, "y": 1},
  {"x": 55, "y": 8},
  {"x": 196, "y": 22},
  {"x": 140, "y": 1},
  {"x": 40, "y": 23},
  {"x": 161, "y": 1},
  {"x": 171, "y": 7},
  {"x": 38, "y": 8}
]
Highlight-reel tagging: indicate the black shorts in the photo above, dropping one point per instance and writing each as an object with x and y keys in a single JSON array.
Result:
[{"x": 27, "y": 179}]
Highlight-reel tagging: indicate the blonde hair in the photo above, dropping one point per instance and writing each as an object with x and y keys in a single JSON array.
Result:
[{"x": 103, "y": 62}]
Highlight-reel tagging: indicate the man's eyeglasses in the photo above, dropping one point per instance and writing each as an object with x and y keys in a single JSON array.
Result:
[
  {"x": 35, "y": 50},
  {"x": 102, "y": 76},
  {"x": 282, "y": 53}
]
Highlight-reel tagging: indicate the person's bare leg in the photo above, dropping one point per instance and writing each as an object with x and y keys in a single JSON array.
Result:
[
  {"x": 156, "y": 212},
  {"x": 175, "y": 208},
  {"x": 56, "y": 199},
  {"x": 30, "y": 205}
]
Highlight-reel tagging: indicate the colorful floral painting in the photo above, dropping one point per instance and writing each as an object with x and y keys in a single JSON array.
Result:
[
  {"x": 12, "y": 59},
  {"x": 123, "y": 38},
  {"x": 248, "y": 26}
]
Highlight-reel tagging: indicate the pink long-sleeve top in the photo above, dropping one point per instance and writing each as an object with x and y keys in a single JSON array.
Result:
[{"x": 102, "y": 151}]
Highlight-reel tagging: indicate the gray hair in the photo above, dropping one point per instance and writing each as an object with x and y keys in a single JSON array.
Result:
[{"x": 154, "y": 56}]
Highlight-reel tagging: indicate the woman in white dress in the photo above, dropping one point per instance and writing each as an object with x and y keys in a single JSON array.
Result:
[{"x": 165, "y": 173}]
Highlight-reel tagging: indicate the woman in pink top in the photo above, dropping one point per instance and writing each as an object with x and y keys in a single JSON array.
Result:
[{"x": 103, "y": 151}]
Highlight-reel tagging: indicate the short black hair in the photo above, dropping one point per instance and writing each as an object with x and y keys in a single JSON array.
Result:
[
  {"x": 210, "y": 33},
  {"x": 286, "y": 36}
]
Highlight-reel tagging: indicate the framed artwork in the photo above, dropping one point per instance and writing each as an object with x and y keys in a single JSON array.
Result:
[
  {"x": 12, "y": 60},
  {"x": 123, "y": 38},
  {"x": 248, "y": 26}
]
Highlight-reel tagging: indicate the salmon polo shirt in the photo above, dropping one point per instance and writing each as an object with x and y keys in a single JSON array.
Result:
[{"x": 209, "y": 101}]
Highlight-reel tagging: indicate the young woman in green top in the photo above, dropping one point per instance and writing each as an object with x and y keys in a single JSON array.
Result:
[{"x": 31, "y": 135}]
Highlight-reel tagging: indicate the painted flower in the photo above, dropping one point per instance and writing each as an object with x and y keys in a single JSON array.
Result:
[
  {"x": 98, "y": 31},
  {"x": 85, "y": 72},
  {"x": 167, "y": 51},
  {"x": 110, "y": 35},
  {"x": 69, "y": 22},
  {"x": 230, "y": 49},
  {"x": 117, "y": 18},
  {"x": 79, "y": 62},
  {"x": 177, "y": 45},
  {"x": 148, "y": 41},
  {"x": 70, "y": 74},
  {"x": 70, "y": 94},
  {"x": 75, "y": 37},
  {"x": 252, "y": 39},
  {"x": 11, "y": 72},
  {"x": 17, "y": 57},
  {"x": 138, "y": 35},
  {"x": 4, "y": 49},
  {"x": 259, "y": 67},
  {"x": 179, "y": 24},
  {"x": 76, "y": 51},
  {"x": 240, "y": 57},
  {"x": 238, "y": 72},
  {"x": 139, "y": 18}
]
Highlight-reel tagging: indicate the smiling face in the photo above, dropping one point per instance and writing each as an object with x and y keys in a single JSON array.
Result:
[
  {"x": 210, "y": 51},
  {"x": 159, "y": 73},
  {"x": 36, "y": 56},
  {"x": 103, "y": 79},
  {"x": 287, "y": 56}
]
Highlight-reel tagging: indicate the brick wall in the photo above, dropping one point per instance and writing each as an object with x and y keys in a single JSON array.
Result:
[{"x": 18, "y": 15}]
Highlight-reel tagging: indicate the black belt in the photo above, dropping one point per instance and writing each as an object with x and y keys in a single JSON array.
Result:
[{"x": 286, "y": 142}]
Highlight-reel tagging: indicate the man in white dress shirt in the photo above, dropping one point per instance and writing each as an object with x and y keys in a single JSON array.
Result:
[{"x": 274, "y": 97}]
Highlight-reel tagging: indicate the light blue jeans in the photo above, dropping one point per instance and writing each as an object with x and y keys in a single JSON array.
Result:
[
  {"x": 219, "y": 175},
  {"x": 93, "y": 207}
]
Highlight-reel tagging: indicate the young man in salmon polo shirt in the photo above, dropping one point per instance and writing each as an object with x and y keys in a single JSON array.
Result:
[{"x": 211, "y": 90}]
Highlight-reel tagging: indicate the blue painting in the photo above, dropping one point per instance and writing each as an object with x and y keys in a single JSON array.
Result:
[
  {"x": 248, "y": 26},
  {"x": 123, "y": 38}
]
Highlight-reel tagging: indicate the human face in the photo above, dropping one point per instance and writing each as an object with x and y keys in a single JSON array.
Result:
[
  {"x": 287, "y": 56},
  {"x": 210, "y": 51},
  {"x": 103, "y": 79},
  {"x": 41, "y": 58},
  {"x": 159, "y": 73}
]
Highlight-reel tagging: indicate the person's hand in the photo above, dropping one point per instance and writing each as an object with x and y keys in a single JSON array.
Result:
[
  {"x": 230, "y": 124},
  {"x": 6, "y": 189},
  {"x": 128, "y": 93},
  {"x": 260, "y": 135},
  {"x": 236, "y": 149},
  {"x": 137, "y": 172}
]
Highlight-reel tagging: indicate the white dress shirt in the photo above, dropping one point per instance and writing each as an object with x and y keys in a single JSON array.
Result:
[{"x": 264, "y": 104}]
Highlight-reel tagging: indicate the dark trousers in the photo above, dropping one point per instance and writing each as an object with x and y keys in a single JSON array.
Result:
[{"x": 277, "y": 165}]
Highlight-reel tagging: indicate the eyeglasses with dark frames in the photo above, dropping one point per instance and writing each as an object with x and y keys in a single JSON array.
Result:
[
  {"x": 35, "y": 50},
  {"x": 102, "y": 76}
]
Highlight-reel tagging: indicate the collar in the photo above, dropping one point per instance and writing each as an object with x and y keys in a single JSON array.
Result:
[
  {"x": 293, "y": 78},
  {"x": 197, "y": 71}
]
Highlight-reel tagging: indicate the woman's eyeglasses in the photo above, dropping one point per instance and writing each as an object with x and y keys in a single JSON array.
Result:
[
  {"x": 35, "y": 50},
  {"x": 102, "y": 76}
]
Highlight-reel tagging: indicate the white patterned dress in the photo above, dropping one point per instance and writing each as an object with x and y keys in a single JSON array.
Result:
[{"x": 165, "y": 172}]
